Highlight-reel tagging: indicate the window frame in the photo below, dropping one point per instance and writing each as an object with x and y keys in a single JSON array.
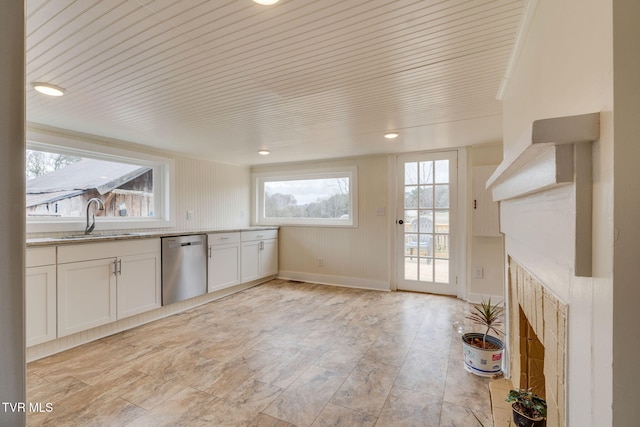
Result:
[
  {"x": 89, "y": 147},
  {"x": 258, "y": 201}
]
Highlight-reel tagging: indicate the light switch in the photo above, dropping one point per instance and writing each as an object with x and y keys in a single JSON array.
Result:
[{"x": 379, "y": 211}]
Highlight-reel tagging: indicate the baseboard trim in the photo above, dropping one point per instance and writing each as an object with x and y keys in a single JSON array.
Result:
[
  {"x": 475, "y": 298},
  {"x": 344, "y": 281}
]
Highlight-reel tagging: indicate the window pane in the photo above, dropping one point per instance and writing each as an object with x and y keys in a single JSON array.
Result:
[
  {"x": 307, "y": 198},
  {"x": 60, "y": 186}
]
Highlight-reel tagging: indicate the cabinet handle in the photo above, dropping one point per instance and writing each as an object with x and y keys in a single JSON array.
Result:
[
  {"x": 209, "y": 251},
  {"x": 224, "y": 238},
  {"x": 261, "y": 246},
  {"x": 259, "y": 235},
  {"x": 115, "y": 267},
  {"x": 120, "y": 266}
]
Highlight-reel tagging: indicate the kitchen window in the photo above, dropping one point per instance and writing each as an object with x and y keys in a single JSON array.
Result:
[
  {"x": 319, "y": 197},
  {"x": 61, "y": 179}
]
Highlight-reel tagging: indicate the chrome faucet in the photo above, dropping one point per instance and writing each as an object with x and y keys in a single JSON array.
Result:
[{"x": 91, "y": 226}]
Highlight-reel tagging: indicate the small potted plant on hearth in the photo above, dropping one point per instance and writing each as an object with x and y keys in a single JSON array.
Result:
[
  {"x": 482, "y": 352},
  {"x": 529, "y": 410}
]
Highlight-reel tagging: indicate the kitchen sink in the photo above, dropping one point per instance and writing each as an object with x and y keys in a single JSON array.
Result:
[{"x": 95, "y": 235}]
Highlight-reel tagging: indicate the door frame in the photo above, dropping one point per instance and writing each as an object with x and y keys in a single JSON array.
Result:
[{"x": 462, "y": 243}]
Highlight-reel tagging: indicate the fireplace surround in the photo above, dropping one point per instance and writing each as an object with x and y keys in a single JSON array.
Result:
[{"x": 537, "y": 340}]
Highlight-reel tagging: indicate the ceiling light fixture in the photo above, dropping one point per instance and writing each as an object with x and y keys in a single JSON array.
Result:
[
  {"x": 264, "y": 152},
  {"x": 391, "y": 135},
  {"x": 266, "y": 2},
  {"x": 48, "y": 89}
]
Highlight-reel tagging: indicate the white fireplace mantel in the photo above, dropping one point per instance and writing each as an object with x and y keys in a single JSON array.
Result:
[
  {"x": 554, "y": 152},
  {"x": 545, "y": 157}
]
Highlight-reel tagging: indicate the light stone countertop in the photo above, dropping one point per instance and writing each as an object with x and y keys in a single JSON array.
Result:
[{"x": 76, "y": 238}]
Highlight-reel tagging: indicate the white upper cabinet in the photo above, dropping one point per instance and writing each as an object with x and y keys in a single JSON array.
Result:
[{"x": 485, "y": 212}]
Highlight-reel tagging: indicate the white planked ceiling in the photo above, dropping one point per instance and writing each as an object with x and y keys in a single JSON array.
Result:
[{"x": 305, "y": 79}]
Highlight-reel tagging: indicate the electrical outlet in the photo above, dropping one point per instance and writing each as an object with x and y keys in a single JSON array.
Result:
[
  {"x": 189, "y": 215},
  {"x": 320, "y": 262},
  {"x": 478, "y": 272}
]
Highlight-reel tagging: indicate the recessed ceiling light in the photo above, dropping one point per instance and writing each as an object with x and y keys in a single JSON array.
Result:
[
  {"x": 264, "y": 152},
  {"x": 391, "y": 135},
  {"x": 48, "y": 89},
  {"x": 266, "y": 2}
]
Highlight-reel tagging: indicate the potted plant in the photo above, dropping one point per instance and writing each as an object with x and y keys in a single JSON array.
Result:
[
  {"x": 482, "y": 352},
  {"x": 529, "y": 410}
]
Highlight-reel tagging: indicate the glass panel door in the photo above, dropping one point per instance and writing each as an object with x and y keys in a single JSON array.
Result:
[{"x": 426, "y": 212}]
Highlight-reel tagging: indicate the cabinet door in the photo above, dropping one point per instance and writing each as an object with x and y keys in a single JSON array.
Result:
[
  {"x": 250, "y": 261},
  {"x": 40, "y": 299},
  {"x": 485, "y": 212},
  {"x": 224, "y": 266},
  {"x": 139, "y": 284},
  {"x": 269, "y": 258},
  {"x": 86, "y": 295}
]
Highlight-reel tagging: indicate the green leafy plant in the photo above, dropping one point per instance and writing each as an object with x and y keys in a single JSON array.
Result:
[
  {"x": 488, "y": 315},
  {"x": 528, "y": 403}
]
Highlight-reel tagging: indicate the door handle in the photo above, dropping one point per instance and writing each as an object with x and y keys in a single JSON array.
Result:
[{"x": 400, "y": 222}]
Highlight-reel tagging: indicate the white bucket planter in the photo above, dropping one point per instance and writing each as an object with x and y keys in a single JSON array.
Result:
[{"x": 484, "y": 363}]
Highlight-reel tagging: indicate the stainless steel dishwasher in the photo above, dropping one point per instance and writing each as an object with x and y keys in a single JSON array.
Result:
[{"x": 184, "y": 267}]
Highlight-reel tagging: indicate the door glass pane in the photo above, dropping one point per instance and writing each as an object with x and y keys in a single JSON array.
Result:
[
  {"x": 441, "y": 270},
  {"x": 426, "y": 196},
  {"x": 426, "y": 270},
  {"x": 442, "y": 196},
  {"x": 442, "y": 171},
  {"x": 411, "y": 173},
  {"x": 425, "y": 222},
  {"x": 410, "y": 268},
  {"x": 409, "y": 217},
  {"x": 426, "y": 173},
  {"x": 411, "y": 197}
]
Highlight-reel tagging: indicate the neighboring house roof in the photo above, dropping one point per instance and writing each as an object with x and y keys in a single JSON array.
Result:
[{"x": 76, "y": 178}]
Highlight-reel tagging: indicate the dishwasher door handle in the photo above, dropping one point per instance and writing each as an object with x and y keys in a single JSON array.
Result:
[{"x": 190, "y": 243}]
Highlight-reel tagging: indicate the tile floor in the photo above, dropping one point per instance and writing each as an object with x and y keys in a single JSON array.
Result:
[{"x": 280, "y": 354}]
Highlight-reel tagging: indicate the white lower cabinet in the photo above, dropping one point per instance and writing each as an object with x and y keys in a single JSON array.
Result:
[
  {"x": 139, "y": 284},
  {"x": 123, "y": 280},
  {"x": 40, "y": 295},
  {"x": 86, "y": 295},
  {"x": 224, "y": 260},
  {"x": 259, "y": 254}
]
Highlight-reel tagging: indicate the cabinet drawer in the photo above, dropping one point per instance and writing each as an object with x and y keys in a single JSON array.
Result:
[
  {"x": 223, "y": 238},
  {"x": 259, "y": 235},
  {"x": 36, "y": 257},
  {"x": 89, "y": 251}
]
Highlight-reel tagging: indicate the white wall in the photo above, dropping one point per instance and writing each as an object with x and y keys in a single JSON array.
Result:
[
  {"x": 564, "y": 69},
  {"x": 357, "y": 257},
  {"x": 218, "y": 194}
]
